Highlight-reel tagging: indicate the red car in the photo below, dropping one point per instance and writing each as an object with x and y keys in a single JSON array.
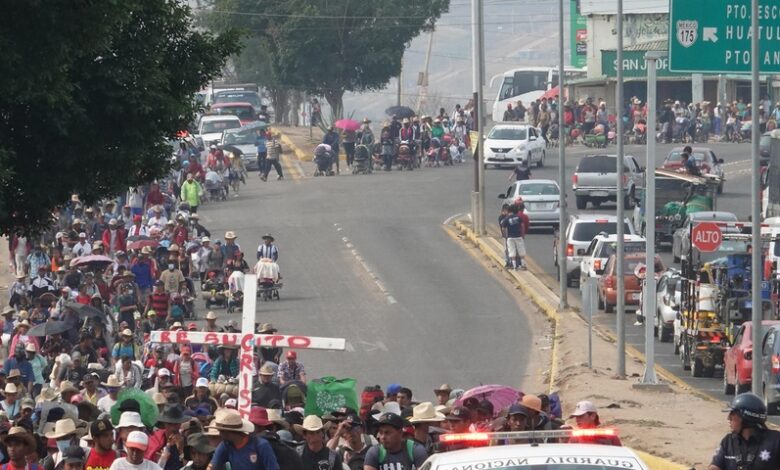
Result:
[
  {"x": 245, "y": 112},
  {"x": 607, "y": 283},
  {"x": 738, "y": 360}
]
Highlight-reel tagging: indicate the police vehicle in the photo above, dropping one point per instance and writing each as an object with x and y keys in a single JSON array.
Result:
[{"x": 482, "y": 453}]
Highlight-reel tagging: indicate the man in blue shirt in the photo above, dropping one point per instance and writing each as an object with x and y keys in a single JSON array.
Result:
[
  {"x": 262, "y": 153},
  {"x": 513, "y": 225},
  {"x": 243, "y": 450},
  {"x": 19, "y": 361}
]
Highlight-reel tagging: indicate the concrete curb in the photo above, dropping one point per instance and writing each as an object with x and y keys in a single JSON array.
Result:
[
  {"x": 542, "y": 296},
  {"x": 299, "y": 154}
]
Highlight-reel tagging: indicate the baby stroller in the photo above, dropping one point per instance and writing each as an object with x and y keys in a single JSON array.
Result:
[
  {"x": 268, "y": 279},
  {"x": 323, "y": 155},
  {"x": 432, "y": 157},
  {"x": 362, "y": 164},
  {"x": 215, "y": 186},
  {"x": 213, "y": 289},
  {"x": 405, "y": 158}
]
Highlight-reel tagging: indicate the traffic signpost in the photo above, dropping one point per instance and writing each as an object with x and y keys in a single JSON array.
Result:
[
  {"x": 706, "y": 236},
  {"x": 714, "y": 36}
]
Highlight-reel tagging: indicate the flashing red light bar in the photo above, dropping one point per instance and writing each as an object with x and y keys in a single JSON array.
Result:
[{"x": 560, "y": 433}]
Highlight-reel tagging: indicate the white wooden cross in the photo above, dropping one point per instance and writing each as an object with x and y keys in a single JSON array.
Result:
[{"x": 247, "y": 340}]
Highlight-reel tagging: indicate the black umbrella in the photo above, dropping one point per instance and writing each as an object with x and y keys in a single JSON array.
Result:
[
  {"x": 400, "y": 111},
  {"x": 51, "y": 327},
  {"x": 85, "y": 311}
]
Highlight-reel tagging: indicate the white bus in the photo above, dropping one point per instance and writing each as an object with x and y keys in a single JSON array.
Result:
[{"x": 527, "y": 84}]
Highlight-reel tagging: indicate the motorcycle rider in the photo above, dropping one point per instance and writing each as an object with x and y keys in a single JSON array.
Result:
[{"x": 749, "y": 444}]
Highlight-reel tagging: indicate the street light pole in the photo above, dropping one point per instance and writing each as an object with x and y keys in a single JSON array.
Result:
[
  {"x": 756, "y": 271},
  {"x": 649, "y": 304},
  {"x": 562, "y": 290},
  {"x": 478, "y": 76},
  {"x": 620, "y": 311}
]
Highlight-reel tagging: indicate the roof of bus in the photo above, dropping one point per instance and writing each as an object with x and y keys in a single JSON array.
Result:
[{"x": 540, "y": 69}]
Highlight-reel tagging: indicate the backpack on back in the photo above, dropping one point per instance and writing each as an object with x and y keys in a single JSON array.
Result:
[{"x": 409, "y": 453}]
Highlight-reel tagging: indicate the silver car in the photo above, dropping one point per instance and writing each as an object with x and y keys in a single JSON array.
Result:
[
  {"x": 540, "y": 198},
  {"x": 242, "y": 143}
]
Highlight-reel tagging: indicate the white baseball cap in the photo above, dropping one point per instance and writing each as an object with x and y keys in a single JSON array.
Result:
[
  {"x": 231, "y": 403},
  {"x": 137, "y": 440},
  {"x": 130, "y": 419},
  {"x": 202, "y": 382},
  {"x": 163, "y": 372},
  {"x": 582, "y": 408}
]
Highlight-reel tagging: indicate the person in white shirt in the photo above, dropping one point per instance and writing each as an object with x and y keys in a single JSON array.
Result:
[
  {"x": 136, "y": 445},
  {"x": 82, "y": 248},
  {"x": 158, "y": 220}
]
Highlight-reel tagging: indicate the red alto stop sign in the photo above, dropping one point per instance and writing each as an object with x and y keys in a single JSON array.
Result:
[{"x": 706, "y": 236}]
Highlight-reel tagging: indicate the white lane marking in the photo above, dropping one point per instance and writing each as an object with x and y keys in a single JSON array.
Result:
[
  {"x": 349, "y": 347},
  {"x": 738, "y": 162},
  {"x": 359, "y": 258},
  {"x": 450, "y": 219}
]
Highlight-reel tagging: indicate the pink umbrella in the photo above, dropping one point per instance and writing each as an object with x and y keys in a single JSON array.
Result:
[
  {"x": 551, "y": 93},
  {"x": 347, "y": 124},
  {"x": 91, "y": 260},
  {"x": 500, "y": 396}
]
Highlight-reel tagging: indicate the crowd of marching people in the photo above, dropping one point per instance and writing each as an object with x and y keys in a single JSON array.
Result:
[{"x": 586, "y": 120}]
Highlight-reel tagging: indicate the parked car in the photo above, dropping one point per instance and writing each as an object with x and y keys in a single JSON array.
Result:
[
  {"x": 601, "y": 248},
  {"x": 244, "y": 111},
  {"x": 705, "y": 158},
  {"x": 211, "y": 127},
  {"x": 770, "y": 369},
  {"x": 607, "y": 285},
  {"x": 541, "y": 200},
  {"x": 681, "y": 242},
  {"x": 595, "y": 180},
  {"x": 668, "y": 294},
  {"x": 738, "y": 360},
  {"x": 514, "y": 144},
  {"x": 765, "y": 148},
  {"x": 579, "y": 233},
  {"x": 238, "y": 95}
]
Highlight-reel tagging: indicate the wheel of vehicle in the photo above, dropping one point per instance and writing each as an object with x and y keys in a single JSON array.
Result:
[
  {"x": 709, "y": 371},
  {"x": 582, "y": 202},
  {"x": 541, "y": 160},
  {"x": 728, "y": 389},
  {"x": 685, "y": 356},
  {"x": 600, "y": 302},
  {"x": 666, "y": 334},
  {"x": 596, "y": 203},
  {"x": 609, "y": 308},
  {"x": 697, "y": 368},
  {"x": 771, "y": 407},
  {"x": 740, "y": 387},
  {"x": 676, "y": 346}
]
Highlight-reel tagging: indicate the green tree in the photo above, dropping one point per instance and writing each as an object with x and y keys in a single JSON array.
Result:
[
  {"x": 329, "y": 47},
  {"x": 91, "y": 92}
]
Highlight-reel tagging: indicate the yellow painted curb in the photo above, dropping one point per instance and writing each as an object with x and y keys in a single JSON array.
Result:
[
  {"x": 300, "y": 154},
  {"x": 658, "y": 463}
]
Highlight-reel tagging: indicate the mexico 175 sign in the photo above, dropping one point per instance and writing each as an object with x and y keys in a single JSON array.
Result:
[{"x": 687, "y": 32}]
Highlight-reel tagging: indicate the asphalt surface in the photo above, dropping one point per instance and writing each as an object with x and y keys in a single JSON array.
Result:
[
  {"x": 736, "y": 198},
  {"x": 366, "y": 258}
]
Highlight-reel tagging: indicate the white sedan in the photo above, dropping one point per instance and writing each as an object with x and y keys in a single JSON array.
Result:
[{"x": 514, "y": 144}]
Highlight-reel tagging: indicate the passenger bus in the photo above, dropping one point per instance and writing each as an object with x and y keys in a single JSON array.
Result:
[{"x": 527, "y": 84}]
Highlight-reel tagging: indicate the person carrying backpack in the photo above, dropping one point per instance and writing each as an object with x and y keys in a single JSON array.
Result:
[
  {"x": 314, "y": 454},
  {"x": 393, "y": 451}
]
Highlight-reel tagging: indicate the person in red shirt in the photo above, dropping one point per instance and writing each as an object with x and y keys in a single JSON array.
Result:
[
  {"x": 114, "y": 234},
  {"x": 180, "y": 233},
  {"x": 196, "y": 169},
  {"x": 19, "y": 443},
  {"x": 102, "y": 454},
  {"x": 167, "y": 438},
  {"x": 155, "y": 196}
]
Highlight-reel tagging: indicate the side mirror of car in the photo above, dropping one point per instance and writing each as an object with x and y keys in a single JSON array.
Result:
[
  {"x": 720, "y": 161},
  {"x": 502, "y": 196}
]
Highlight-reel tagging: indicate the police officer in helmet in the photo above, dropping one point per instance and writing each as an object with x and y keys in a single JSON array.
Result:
[{"x": 749, "y": 445}]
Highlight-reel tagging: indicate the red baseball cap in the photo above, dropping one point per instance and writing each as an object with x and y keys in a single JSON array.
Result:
[
  {"x": 259, "y": 416},
  {"x": 292, "y": 355}
]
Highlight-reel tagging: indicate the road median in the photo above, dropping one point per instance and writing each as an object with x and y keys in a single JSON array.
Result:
[{"x": 646, "y": 419}]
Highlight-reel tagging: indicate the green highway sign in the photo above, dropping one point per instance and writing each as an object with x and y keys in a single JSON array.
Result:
[{"x": 713, "y": 36}]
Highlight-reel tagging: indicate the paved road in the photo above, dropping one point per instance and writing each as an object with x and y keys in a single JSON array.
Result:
[
  {"x": 366, "y": 258},
  {"x": 736, "y": 198}
]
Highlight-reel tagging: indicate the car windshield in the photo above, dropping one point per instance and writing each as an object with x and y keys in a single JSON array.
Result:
[
  {"x": 632, "y": 263},
  {"x": 598, "y": 164},
  {"x": 242, "y": 96},
  {"x": 537, "y": 189},
  {"x": 507, "y": 133},
  {"x": 676, "y": 157},
  {"x": 609, "y": 249},
  {"x": 586, "y": 231},
  {"x": 245, "y": 113},
  {"x": 210, "y": 127},
  {"x": 239, "y": 138}
]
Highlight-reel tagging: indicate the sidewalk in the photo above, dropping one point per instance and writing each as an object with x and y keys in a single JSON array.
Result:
[{"x": 652, "y": 421}]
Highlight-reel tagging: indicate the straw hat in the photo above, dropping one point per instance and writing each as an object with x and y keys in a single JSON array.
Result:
[
  {"x": 10, "y": 388},
  {"x": 266, "y": 370},
  {"x": 130, "y": 419},
  {"x": 112, "y": 382},
  {"x": 230, "y": 235},
  {"x": 230, "y": 420},
  {"x": 311, "y": 423},
  {"x": 266, "y": 328},
  {"x": 67, "y": 386},
  {"x": 211, "y": 316},
  {"x": 20, "y": 433},
  {"x": 62, "y": 428},
  {"x": 275, "y": 416},
  {"x": 426, "y": 413},
  {"x": 532, "y": 402}
]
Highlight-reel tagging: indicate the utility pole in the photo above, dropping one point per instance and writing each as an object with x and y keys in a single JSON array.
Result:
[
  {"x": 400, "y": 83},
  {"x": 423, "y": 95},
  {"x": 563, "y": 291},
  {"x": 620, "y": 312},
  {"x": 478, "y": 75},
  {"x": 649, "y": 305},
  {"x": 756, "y": 271}
]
